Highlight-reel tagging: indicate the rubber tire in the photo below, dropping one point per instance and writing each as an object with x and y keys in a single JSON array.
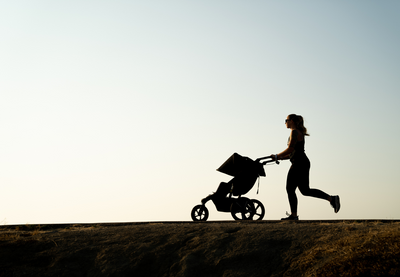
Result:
[
  {"x": 199, "y": 213},
  {"x": 242, "y": 209},
  {"x": 259, "y": 210}
]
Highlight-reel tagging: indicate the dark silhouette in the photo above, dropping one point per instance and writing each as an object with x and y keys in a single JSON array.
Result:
[
  {"x": 245, "y": 173},
  {"x": 298, "y": 175}
]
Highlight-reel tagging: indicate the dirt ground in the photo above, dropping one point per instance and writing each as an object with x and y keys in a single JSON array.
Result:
[{"x": 228, "y": 248}]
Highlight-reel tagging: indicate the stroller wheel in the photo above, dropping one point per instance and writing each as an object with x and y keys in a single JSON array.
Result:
[
  {"x": 199, "y": 213},
  {"x": 259, "y": 210},
  {"x": 242, "y": 209}
]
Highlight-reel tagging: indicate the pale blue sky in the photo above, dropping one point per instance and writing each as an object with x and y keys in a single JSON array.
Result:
[{"x": 121, "y": 111}]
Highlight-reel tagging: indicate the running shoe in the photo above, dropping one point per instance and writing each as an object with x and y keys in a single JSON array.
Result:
[
  {"x": 290, "y": 217},
  {"x": 335, "y": 203}
]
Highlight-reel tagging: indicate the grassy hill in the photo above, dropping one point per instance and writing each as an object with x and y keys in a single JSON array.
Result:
[{"x": 228, "y": 248}]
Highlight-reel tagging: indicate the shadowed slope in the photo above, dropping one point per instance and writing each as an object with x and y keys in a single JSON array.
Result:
[{"x": 267, "y": 248}]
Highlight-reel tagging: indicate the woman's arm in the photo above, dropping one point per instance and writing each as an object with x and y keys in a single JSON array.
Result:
[
  {"x": 286, "y": 157},
  {"x": 285, "y": 154}
]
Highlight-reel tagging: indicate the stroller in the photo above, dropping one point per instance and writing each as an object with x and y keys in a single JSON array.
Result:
[{"x": 245, "y": 173}]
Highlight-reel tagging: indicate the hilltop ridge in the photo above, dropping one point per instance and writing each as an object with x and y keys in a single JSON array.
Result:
[{"x": 227, "y": 248}]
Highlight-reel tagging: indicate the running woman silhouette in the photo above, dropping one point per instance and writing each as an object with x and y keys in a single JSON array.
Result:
[{"x": 298, "y": 175}]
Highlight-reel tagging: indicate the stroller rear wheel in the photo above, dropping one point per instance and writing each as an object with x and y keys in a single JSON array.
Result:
[
  {"x": 199, "y": 213},
  {"x": 259, "y": 210},
  {"x": 242, "y": 209}
]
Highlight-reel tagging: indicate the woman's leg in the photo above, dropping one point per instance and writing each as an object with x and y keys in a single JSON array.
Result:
[
  {"x": 291, "y": 185},
  {"x": 304, "y": 187},
  {"x": 299, "y": 174},
  {"x": 304, "y": 183}
]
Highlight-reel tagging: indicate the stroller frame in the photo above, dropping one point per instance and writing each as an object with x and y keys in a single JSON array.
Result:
[{"x": 245, "y": 172}]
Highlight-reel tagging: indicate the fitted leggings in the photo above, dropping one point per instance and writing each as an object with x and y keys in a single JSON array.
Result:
[{"x": 298, "y": 177}]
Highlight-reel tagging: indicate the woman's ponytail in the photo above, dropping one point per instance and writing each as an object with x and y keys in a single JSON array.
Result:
[{"x": 299, "y": 122}]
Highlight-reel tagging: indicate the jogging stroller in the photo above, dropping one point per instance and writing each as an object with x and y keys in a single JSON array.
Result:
[{"x": 245, "y": 173}]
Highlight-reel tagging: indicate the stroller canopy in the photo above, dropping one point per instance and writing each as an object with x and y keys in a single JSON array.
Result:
[{"x": 238, "y": 165}]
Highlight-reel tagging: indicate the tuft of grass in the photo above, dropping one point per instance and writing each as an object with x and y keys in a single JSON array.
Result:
[
  {"x": 19, "y": 232},
  {"x": 9, "y": 236},
  {"x": 363, "y": 250}
]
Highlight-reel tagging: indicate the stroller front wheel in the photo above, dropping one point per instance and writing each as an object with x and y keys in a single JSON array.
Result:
[{"x": 199, "y": 213}]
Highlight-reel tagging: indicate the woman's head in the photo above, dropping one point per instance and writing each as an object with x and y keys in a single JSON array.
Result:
[{"x": 296, "y": 122}]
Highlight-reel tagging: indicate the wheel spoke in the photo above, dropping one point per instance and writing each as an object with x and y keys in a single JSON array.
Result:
[{"x": 200, "y": 213}]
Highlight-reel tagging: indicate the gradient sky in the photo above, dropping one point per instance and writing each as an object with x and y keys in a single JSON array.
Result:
[{"x": 121, "y": 111}]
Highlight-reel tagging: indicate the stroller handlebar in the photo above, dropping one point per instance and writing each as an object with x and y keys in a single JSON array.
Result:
[{"x": 270, "y": 159}]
